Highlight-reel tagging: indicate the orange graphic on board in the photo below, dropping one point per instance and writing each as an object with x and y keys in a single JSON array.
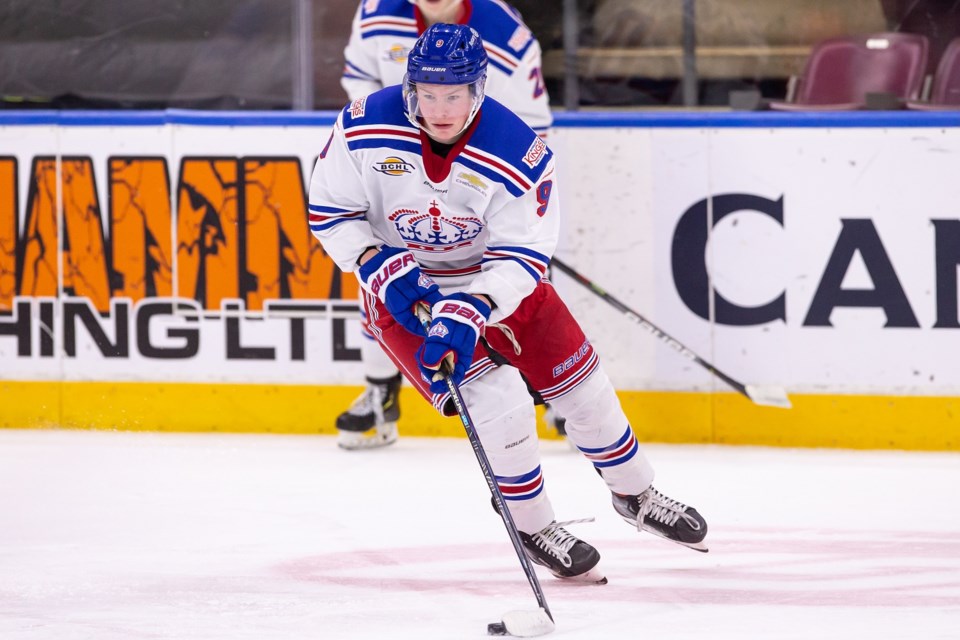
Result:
[
  {"x": 8, "y": 233},
  {"x": 140, "y": 228},
  {"x": 208, "y": 233},
  {"x": 284, "y": 260},
  {"x": 84, "y": 259},
  {"x": 239, "y": 230}
]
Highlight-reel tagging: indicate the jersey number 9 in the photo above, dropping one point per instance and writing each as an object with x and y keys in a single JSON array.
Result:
[{"x": 543, "y": 196}]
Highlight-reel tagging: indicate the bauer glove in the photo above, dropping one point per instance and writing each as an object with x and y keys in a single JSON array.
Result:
[
  {"x": 458, "y": 321},
  {"x": 394, "y": 276}
]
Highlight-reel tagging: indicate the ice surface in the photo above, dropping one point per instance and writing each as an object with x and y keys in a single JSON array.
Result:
[{"x": 123, "y": 536}]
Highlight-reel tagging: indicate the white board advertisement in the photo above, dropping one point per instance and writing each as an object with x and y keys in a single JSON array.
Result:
[{"x": 823, "y": 260}]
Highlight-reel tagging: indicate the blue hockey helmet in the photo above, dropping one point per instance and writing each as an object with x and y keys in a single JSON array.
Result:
[{"x": 450, "y": 54}]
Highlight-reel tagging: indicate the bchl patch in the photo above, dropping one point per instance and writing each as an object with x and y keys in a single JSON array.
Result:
[
  {"x": 397, "y": 53},
  {"x": 425, "y": 281},
  {"x": 439, "y": 330},
  {"x": 393, "y": 166},
  {"x": 535, "y": 153},
  {"x": 359, "y": 107}
]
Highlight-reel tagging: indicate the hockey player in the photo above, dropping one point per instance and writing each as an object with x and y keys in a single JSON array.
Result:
[
  {"x": 467, "y": 229},
  {"x": 384, "y": 31},
  {"x": 376, "y": 56}
]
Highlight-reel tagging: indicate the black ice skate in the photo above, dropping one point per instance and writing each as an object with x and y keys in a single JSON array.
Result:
[
  {"x": 565, "y": 555},
  {"x": 654, "y": 512},
  {"x": 371, "y": 421}
]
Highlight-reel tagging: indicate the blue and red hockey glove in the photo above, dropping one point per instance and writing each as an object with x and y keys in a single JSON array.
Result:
[
  {"x": 394, "y": 276},
  {"x": 458, "y": 322}
]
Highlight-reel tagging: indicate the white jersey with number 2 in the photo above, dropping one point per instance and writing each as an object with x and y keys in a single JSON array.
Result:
[{"x": 384, "y": 31}]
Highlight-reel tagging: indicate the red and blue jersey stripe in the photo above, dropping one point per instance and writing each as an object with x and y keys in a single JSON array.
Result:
[
  {"x": 383, "y": 136},
  {"x": 351, "y": 70},
  {"x": 323, "y": 218},
  {"x": 617, "y": 453},
  {"x": 523, "y": 487},
  {"x": 387, "y": 25},
  {"x": 534, "y": 262}
]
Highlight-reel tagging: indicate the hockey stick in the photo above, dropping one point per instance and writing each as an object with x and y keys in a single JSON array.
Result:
[
  {"x": 521, "y": 623},
  {"x": 767, "y": 395}
]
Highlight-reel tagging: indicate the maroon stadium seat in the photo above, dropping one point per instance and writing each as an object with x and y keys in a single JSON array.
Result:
[
  {"x": 946, "y": 81},
  {"x": 840, "y": 72}
]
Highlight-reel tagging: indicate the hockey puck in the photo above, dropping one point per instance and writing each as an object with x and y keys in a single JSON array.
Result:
[{"x": 496, "y": 629}]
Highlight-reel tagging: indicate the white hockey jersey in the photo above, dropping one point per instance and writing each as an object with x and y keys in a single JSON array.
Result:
[
  {"x": 485, "y": 219},
  {"x": 384, "y": 31}
]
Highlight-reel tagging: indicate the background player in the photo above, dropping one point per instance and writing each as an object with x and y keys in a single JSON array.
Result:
[
  {"x": 382, "y": 34},
  {"x": 491, "y": 244}
]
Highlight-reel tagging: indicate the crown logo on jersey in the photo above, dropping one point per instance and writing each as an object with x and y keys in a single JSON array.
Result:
[{"x": 434, "y": 230}]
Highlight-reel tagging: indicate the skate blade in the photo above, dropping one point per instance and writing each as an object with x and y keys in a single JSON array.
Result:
[
  {"x": 370, "y": 439},
  {"x": 696, "y": 546},
  {"x": 592, "y": 576}
]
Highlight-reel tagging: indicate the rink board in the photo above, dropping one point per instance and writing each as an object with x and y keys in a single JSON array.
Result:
[
  {"x": 156, "y": 272},
  {"x": 854, "y": 422}
]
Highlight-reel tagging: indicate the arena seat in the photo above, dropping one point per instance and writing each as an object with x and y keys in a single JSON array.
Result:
[
  {"x": 946, "y": 82},
  {"x": 841, "y": 73}
]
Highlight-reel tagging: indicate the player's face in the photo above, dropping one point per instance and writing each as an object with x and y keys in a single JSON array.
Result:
[
  {"x": 439, "y": 10},
  {"x": 444, "y": 109}
]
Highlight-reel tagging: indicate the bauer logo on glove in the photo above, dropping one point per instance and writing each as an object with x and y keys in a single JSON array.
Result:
[
  {"x": 393, "y": 269},
  {"x": 458, "y": 322},
  {"x": 463, "y": 311},
  {"x": 394, "y": 276}
]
